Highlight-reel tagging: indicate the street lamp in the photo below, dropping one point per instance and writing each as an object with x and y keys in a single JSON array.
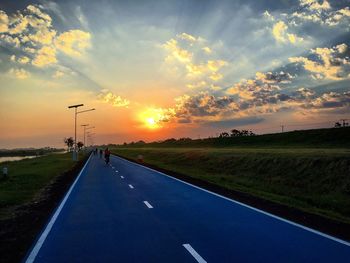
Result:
[
  {"x": 75, "y": 126},
  {"x": 89, "y": 136},
  {"x": 85, "y": 129},
  {"x": 84, "y": 125}
]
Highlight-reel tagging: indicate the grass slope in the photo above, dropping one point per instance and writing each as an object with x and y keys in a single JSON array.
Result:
[{"x": 27, "y": 177}]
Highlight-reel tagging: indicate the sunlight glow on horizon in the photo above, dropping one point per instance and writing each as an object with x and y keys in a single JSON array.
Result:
[
  {"x": 154, "y": 118},
  {"x": 151, "y": 123}
]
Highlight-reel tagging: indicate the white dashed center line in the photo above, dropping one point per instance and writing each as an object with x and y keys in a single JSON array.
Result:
[
  {"x": 148, "y": 204},
  {"x": 194, "y": 253},
  {"x": 116, "y": 171},
  {"x": 131, "y": 186},
  {"x": 122, "y": 177}
]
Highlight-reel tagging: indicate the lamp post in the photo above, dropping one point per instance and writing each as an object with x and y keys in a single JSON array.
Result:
[
  {"x": 84, "y": 125},
  {"x": 88, "y": 128},
  {"x": 89, "y": 136},
  {"x": 75, "y": 127}
]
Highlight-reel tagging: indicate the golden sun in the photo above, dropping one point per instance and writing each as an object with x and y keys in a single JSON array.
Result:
[
  {"x": 151, "y": 123},
  {"x": 154, "y": 118}
]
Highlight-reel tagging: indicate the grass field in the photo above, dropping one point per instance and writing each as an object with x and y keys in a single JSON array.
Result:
[
  {"x": 315, "y": 180},
  {"x": 27, "y": 178}
]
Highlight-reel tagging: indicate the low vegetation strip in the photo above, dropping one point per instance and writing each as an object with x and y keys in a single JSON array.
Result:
[
  {"x": 317, "y": 138},
  {"x": 312, "y": 180},
  {"x": 34, "y": 188}
]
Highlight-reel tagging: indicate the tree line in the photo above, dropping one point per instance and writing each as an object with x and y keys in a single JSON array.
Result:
[
  {"x": 69, "y": 141},
  {"x": 236, "y": 133}
]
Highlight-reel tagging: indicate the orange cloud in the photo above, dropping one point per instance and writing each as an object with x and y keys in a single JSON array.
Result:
[
  {"x": 176, "y": 52},
  {"x": 73, "y": 42},
  {"x": 31, "y": 30},
  {"x": 113, "y": 99},
  {"x": 315, "y": 5},
  {"x": 332, "y": 66},
  {"x": 19, "y": 73},
  {"x": 186, "y": 56},
  {"x": 45, "y": 56},
  {"x": 279, "y": 31},
  {"x": 4, "y": 21}
]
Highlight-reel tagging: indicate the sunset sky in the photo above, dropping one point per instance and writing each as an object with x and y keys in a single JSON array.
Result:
[{"x": 162, "y": 69}]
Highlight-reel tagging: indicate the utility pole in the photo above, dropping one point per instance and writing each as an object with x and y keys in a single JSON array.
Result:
[
  {"x": 75, "y": 157},
  {"x": 282, "y": 128}
]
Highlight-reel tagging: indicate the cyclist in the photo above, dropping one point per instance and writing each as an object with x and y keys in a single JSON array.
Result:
[{"x": 107, "y": 154}]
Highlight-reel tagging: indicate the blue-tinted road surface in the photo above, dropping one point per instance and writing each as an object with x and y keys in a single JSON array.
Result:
[{"x": 124, "y": 212}]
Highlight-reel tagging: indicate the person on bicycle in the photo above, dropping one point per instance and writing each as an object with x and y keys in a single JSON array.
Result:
[{"x": 107, "y": 154}]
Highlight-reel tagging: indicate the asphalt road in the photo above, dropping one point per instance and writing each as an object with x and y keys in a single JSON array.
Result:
[{"x": 124, "y": 212}]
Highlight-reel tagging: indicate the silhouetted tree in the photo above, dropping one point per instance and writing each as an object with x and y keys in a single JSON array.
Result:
[
  {"x": 245, "y": 132},
  {"x": 235, "y": 133},
  {"x": 337, "y": 125},
  {"x": 80, "y": 145},
  {"x": 224, "y": 135},
  {"x": 171, "y": 140},
  {"x": 69, "y": 142},
  {"x": 251, "y": 133},
  {"x": 184, "y": 139}
]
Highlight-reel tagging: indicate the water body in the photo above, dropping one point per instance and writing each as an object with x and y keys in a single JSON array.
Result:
[
  {"x": 15, "y": 158},
  {"x": 18, "y": 158}
]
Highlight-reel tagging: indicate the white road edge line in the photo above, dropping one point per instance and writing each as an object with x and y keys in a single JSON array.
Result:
[
  {"x": 194, "y": 253},
  {"x": 247, "y": 206},
  {"x": 148, "y": 204},
  {"x": 48, "y": 228},
  {"x": 131, "y": 186}
]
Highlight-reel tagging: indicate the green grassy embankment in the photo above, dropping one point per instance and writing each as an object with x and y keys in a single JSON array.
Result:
[
  {"x": 315, "y": 180},
  {"x": 317, "y": 138},
  {"x": 27, "y": 178}
]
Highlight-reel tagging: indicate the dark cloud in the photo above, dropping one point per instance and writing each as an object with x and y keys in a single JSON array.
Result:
[
  {"x": 303, "y": 93},
  {"x": 329, "y": 100},
  {"x": 274, "y": 77},
  {"x": 202, "y": 104},
  {"x": 184, "y": 120},
  {"x": 231, "y": 123}
]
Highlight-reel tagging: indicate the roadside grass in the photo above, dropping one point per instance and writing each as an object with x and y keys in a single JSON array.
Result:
[
  {"x": 27, "y": 178},
  {"x": 315, "y": 180}
]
